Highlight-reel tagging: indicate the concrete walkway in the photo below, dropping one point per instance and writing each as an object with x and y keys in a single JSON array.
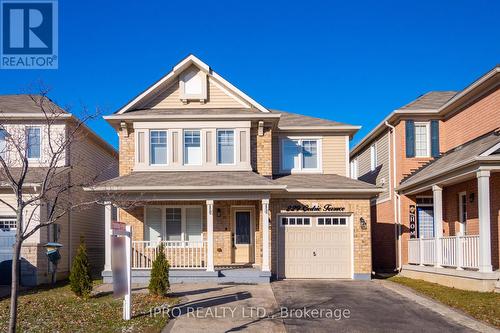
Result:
[{"x": 224, "y": 308}]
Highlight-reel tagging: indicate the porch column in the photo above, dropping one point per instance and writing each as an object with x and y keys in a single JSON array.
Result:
[
  {"x": 265, "y": 235},
  {"x": 210, "y": 236},
  {"x": 483, "y": 194},
  {"x": 108, "y": 213},
  {"x": 437, "y": 193}
]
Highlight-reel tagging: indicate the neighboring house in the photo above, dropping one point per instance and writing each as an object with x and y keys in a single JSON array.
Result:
[
  {"x": 225, "y": 183},
  {"x": 438, "y": 158},
  {"x": 87, "y": 156}
]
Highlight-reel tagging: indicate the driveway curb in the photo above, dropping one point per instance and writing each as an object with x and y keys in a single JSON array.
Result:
[{"x": 444, "y": 310}]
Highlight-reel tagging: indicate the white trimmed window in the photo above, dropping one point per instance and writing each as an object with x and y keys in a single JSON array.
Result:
[
  {"x": 3, "y": 143},
  {"x": 298, "y": 221},
  {"x": 158, "y": 147},
  {"x": 354, "y": 169},
  {"x": 192, "y": 147},
  {"x": 300, "y": 154},
  {"x": 331, "y": 221},
  {"x": 174, "y": 223},
  {"x": 33, "y": 142},
  {"x": 7, "y": 222},
  {"x": 225, "y": 146},
  {"x": 422, "y": 140},
  {"x": 373, "y": 157}
]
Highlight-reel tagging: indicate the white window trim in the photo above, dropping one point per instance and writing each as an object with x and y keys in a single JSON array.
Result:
[
  {"x": 184, "y": 242},
  {"x": 300, "y": 169},
  {"x": 281, "y": 217},
  {"x": 217, "y": 145},
  {"x": 354, "y": 168},
  {"x": 167, "y": 151},
  {"x": 428, "y": 132},
  {"x": 37, "y": 159},
  {"x": 346, "y": 218},
  {"x": 9, "y": 218},
  {"x": 202, "y": 146},
  {"x": 373, "y": 157}
]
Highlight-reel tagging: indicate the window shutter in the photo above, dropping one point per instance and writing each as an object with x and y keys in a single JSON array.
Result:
[
  {"x": 435, "y": 138},
  {"x": 410, "y": 138}
]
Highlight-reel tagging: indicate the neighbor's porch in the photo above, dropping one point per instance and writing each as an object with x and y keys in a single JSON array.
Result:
[{"x": 224, "y": 239}]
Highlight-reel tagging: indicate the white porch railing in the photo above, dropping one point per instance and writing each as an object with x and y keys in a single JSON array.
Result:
[
  {"x": 456, "y": 251},
  {"x": 180, "y": 254}
]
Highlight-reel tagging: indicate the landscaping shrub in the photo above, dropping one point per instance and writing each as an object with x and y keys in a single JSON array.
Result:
[
  {"x": 158, "y": 284},
  {"x": 80, "y": 278}
]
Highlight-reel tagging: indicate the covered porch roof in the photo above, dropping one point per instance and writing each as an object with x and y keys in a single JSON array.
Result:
[{"x": 457, "y": 165}]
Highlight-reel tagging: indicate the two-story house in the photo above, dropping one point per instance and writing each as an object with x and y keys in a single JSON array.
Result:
[
  {"x": 44, "y": 133},
  {"x": 438, "y": 158},
  {"x": 224, "y": 183}
]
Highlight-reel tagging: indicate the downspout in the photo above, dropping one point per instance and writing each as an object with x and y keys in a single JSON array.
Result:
[{"x": 397, "y": 199}]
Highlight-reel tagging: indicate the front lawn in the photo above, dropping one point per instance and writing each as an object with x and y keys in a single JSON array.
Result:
[
  {"x": 482, "y": 306},
  {"x": 58, "y": 310}
]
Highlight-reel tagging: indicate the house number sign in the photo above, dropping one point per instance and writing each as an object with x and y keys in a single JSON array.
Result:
[
  {"x": 315, "y": 208},
  {"x": 413, "y": 224}
]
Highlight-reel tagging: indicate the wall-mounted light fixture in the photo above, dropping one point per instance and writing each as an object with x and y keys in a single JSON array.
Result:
[
  {"x": 471, "y": 197},
  {"x": 362, "y": 223},
  {"x": 218, "y": 212}
]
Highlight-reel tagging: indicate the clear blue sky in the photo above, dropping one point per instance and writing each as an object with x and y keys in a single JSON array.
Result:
[{"x": 348, "y": 61}]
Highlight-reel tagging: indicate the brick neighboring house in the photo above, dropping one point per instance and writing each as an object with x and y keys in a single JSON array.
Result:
[
  {"x": 88, "y": 155},
  {"x": 234, "y": 190},
  {"x": 438, "y": 158}
]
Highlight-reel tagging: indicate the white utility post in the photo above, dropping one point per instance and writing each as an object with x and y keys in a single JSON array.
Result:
[
  {"x": 483, "y": 193},
  {"x": 437, "y": 193},
  {"x": 265, "y": 235},
  {"x": 108, "y": 213},
  {"x": 210, "y": 236}
]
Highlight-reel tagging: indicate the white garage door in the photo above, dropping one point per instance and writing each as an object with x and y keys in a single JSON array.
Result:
[{"x": 316, "y": 247}]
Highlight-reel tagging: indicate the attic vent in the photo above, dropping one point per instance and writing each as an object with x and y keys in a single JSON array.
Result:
[{"x": 193, "y": 86}]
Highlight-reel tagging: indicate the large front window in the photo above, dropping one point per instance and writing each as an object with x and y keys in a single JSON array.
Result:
[
  {"x": 192, "y": 147},
  {"x": 225, "y": 147},
  {"x": 174, "y": 224},
  {"x": 33, "y": 142},
  {"x": 300, "y": 155},
  {"x": 158, "y": 147}
]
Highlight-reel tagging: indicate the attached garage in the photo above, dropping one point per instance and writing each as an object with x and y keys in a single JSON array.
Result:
[{"x": 316, "y": 246}]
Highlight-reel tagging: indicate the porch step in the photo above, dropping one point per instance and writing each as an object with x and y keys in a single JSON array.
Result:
[{"x": 240, "y": 275}]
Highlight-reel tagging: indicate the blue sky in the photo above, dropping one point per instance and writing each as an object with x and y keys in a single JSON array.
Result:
[{"x": 348, "y": 61}]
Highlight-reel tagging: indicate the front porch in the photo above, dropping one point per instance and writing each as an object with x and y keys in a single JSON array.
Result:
[{"x": 217, "y": 240}]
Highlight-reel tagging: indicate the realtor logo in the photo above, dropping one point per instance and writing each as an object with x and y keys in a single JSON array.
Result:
[{"x": 29, "y": 34}]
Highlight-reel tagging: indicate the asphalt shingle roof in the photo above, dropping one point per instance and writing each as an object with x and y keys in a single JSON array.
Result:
[
  {"x": 322, "y": 181},
  {"x": 25, "y": 104},
  {"x": 430, "y": 101}
]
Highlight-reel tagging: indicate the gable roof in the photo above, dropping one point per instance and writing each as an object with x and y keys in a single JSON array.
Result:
[
  {"x": 462, "y": 155},
  {"x": 176, "y": 70},
  {"x": 25, "y": 105},
  {"x": 291, "y": 120},
  {"x": 430, "y": 101}
]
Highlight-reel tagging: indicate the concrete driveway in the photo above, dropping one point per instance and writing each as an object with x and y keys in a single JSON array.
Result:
[{"x": 361, "y": 306}]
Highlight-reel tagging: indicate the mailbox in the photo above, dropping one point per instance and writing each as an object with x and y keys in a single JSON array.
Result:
[{"x": 53, "y": 252}]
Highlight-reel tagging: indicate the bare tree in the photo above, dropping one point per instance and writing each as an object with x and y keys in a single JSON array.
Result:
[{"x": 47, "y": 180}]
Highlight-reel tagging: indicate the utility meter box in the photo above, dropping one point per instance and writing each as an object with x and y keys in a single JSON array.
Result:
[{"x": 53, "y": 252}]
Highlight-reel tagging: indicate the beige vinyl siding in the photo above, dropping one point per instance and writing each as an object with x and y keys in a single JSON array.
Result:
[
  {"x": 169, "y": 98},
  {"x": 334, "y": 154},
  {"x": 89, "y": 159},
  {"x": 380, "y": 176}
]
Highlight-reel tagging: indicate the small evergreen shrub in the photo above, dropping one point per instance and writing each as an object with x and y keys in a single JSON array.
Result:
[
  {"x": 80, "y": 278},
  {"x": 158, "y": 284}
]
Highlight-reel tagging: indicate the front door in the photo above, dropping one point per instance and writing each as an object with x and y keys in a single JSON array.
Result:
[
  {"x": 425, "y": 219},
  {"x": 243, "y": 237}
]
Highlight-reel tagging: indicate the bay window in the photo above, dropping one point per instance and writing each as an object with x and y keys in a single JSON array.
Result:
[
  {"x": 300, "y": 154},
  {"x": 192, "y": 147},
  {"x": 33, "y": 142},
  {"x": 158, "y": 147},
  {"x": 225, "y": 146}
]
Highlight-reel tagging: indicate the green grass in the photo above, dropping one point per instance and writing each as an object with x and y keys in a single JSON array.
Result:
[
  {"x": 56, "y": 309},
  {"x": 483, "y": 306}
]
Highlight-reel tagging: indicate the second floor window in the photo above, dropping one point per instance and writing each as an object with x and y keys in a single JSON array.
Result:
[
  {"x": 373, "y": 157},
  {"x": 422, "y": 140},
  {"x": 33, "y": 142},
  {"x": 158, "y": 147},
  {"x": 225, "y": 147},
  {"x": 300, "y": 155},
  {"x": 192, "y": 148}
]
